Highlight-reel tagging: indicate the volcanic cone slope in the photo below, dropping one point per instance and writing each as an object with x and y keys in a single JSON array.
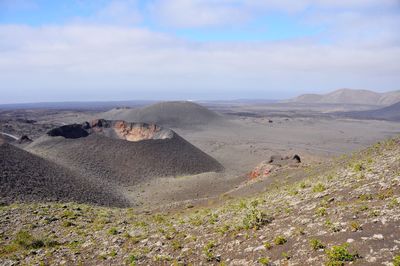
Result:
[
  {"x": 28, "y": 178},
  {"x": 178, "y": 114},
  {"x": 391, "y": 113},
  {"x": 123, "y": 153}
]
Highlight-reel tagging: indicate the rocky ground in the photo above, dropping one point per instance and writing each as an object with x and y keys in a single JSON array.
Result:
[{"x": 348, "y": 214}]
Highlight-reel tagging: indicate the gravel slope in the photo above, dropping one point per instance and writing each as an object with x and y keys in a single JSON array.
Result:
[
  {"x": 172, "y": 114},
  {"x": 343, "y": 212},
  {"x": 29, "y": 178}
]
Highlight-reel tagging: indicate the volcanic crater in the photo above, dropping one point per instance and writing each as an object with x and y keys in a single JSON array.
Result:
[
  {"x": 113, "y": 129},
  {"x": 121, "y": 152}
]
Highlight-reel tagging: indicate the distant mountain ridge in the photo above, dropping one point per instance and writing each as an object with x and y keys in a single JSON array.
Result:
[
  {"x": 351, "y": 96},
  {"x": 391, "y": 113}
]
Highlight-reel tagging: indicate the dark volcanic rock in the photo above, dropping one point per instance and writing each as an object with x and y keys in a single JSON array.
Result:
[
  {"x": 69, "y": 131},
  {"x": 279, "y": 160},
  {"x": 24, "y": 139}
]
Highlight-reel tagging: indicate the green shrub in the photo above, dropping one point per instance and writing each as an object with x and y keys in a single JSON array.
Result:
[
  {"x": 280, "y": 240},
  {"x": 264, "y": 261},
  {"x": 223, "y": 229},
  {"x": 176, "y": 245},
  {"x": 208, "y": 250},
  {"x": 27, "y": 241},
  {"x": 267, "y": 245},
  {"x": 132, "y": 259},
  {"x": 358, "y": 167},
  {"x": 338, "y": 255},
  {"x": 255, "y": 219},
  {"x": 321, "y": 211},
  {"x": 355, "y": 226},
  {"x": 113, "y": 231},
  {"x": 316, "y": 244},
  {"x": 67, "y": 223},
  {"x": 285, "y": 255},
  {"x": 365, "y": 197},
  {"x": 396, "y": 260},
  {"x": 318, "y": 188},
  {"x": 303, "y": 185}
]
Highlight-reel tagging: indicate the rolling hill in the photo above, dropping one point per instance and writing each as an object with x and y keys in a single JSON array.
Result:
[
  {"x": 171, "y": 114},
  {"x": 390, "y": 113},
  {"x": 349, "y": 96}
]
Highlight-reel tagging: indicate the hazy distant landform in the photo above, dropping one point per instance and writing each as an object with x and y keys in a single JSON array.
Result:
[
  {"x": 171, "y": 114},
  {"x": 350, "y": 96}
]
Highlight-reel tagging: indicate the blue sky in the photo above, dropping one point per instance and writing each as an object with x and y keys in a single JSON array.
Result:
[
  {"x": 265, "y": 26},
  {"x": 208, "y": 49}
]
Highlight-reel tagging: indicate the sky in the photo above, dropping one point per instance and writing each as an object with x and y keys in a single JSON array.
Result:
[{"x": 100, "y": 50}]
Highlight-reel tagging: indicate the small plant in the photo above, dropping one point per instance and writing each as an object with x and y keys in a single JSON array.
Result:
[
  {"x": 134, "y": 257},
  {"x": 132, "y": 260},
  {"x": 196, "y": 220},
  {"x": 338, "y": 255},
  {"x": 396, "y": 260},
  {"x": 330, "y": 177},
  {"x": 159, "y": 218},
  {"x": 334, "y": 227},
  {"x": 318, "y": 188},
  {"x": 264, "y": 261},
  {"x": 67, "y": 224},
  {"x": 176, "y": 245},
  {"x": 68, "y": 214},
  {"x": 113, "y": 231},
  {"x": 300, "y": 231},
  {"x": 321, "y": 211},
  {"x": 213, "y": 218},
  {"x": 355, "y": 226},
  {"x": 162, "y": 258},
  {"x": 27, "y": 241},
  {"x": 280, "y": 240},
  {"x": 393, "y": 203},
  {"x": 385, "y": 194},
  {"x": 374, "y": 213},
  {"x": 358, "y": 167},
  {"x": 52, "y": 243},
  {"x": 223, "y": 229},
  {"x": 303, "y": 185},
  {"x": 208, "y": 250},
  {"x": 285, "y": 255},
  {"x": 316, "y": 244},
  {"x": 255, "y": 219},
  {"x": 267, "y": 245},
  {"x": 365, "y": 197},
  {"x": 113, "y": 253}
]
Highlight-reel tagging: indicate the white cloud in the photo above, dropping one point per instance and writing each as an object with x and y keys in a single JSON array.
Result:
[
  {"x": 198, "y": 13},
  {"x": 107, "y": 53},
  {"x": 115, "y": 12},
  {"x": 204, "y": 13},
  {"x": 65, "y": 59}
]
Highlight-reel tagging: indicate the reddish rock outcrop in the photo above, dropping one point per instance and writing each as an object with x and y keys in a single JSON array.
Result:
[
  {"x": 114, "y": 129},
  {"x": 275, "y": 163}
]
